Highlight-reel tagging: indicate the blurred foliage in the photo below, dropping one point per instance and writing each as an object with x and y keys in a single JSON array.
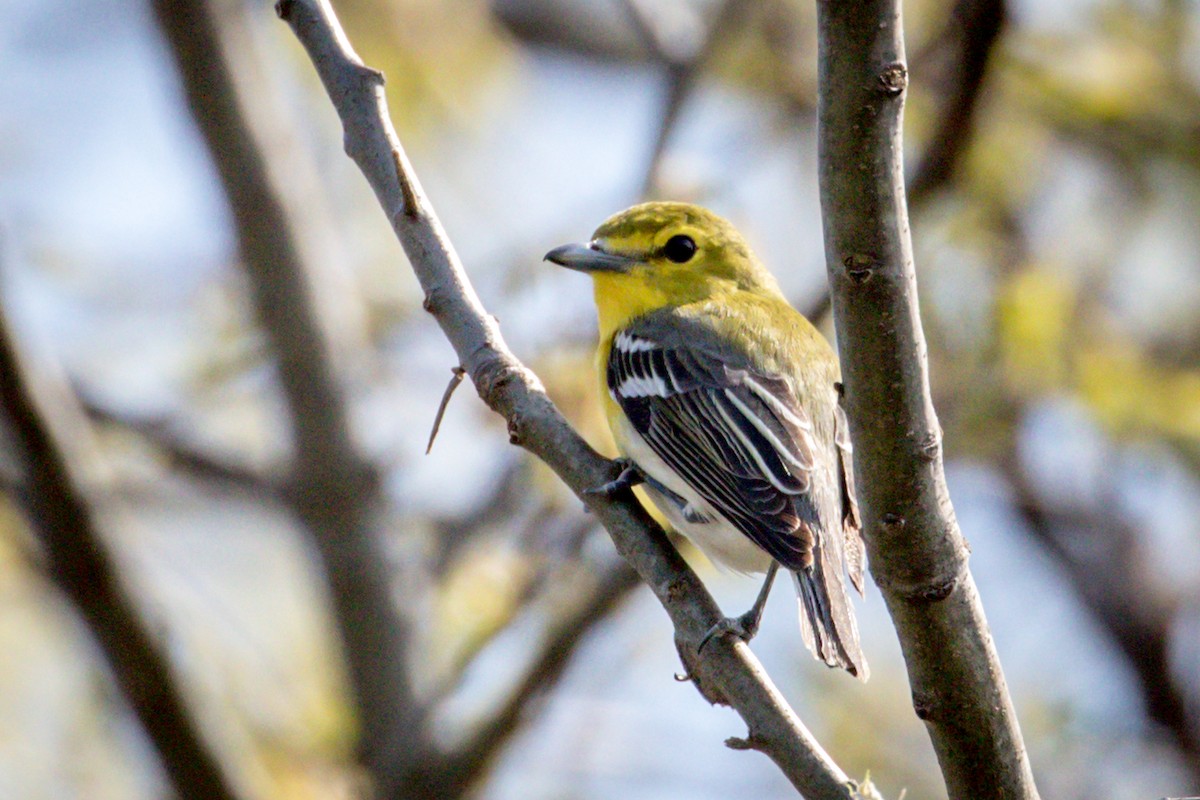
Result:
[
  {"x": 442, "y": 58},
  {"x": 1117, "y": 94}
]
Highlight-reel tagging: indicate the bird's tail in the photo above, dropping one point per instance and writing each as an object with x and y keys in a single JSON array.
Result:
[{"x": 826, "y": 619}]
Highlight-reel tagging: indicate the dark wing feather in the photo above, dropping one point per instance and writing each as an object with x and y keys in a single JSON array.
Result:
[
  {"x": 851, "y": 523},
  {"x": 739, "y": 438}
]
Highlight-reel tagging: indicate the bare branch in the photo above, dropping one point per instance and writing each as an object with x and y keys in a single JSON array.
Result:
[
  {"x": 43, "y": 420},
  {"x": 918, "y": 555},
  {"x": 966, "y": 45},
  {"x": 509, "y": 388},
  {"x": 333, "y": 490}
]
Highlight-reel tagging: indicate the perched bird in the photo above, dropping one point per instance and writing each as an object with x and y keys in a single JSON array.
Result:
[{"x": 723, "y": 400}]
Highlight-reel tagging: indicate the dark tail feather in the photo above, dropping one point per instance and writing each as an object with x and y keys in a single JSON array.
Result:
[{"x": 826, "y": 619}]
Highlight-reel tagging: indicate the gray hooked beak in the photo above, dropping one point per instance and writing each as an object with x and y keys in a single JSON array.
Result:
[{"x": 589, "y": 258}]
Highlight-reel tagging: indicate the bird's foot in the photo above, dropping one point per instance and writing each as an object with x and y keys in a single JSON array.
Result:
[
  {"x": 630, "y": 475},
  {"x": 744, "y": 627}
]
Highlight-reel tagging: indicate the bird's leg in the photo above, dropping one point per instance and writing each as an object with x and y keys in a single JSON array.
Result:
[
  {"x": 631, "y": 475},
  {"x": 745, "y": 626}
]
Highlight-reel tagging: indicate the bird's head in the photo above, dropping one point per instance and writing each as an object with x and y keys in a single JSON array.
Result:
[{"x": 657, "y": 254}]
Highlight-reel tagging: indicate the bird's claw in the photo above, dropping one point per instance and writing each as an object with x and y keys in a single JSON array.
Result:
[
  {"x": 744, "y": 627},
  {"x": 631, "y": 475}
]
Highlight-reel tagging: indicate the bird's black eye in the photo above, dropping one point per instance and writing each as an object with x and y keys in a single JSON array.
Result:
[{"x": 680, "y": 248}]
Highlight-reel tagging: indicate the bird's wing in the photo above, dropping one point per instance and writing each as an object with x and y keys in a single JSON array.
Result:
[{"x": 739, "y": 438}]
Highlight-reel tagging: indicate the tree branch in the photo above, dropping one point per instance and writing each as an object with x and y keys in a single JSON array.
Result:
[
  {"x": 79, "y": 564},
  {"x": 968, "y": 41},
  {"x": 918, "y": 555},
  {"x": 334, "y": 491},
  {"x": 727, "y": 670}
]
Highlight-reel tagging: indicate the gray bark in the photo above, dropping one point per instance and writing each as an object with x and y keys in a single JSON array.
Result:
[{"x": 917, "y": 553}]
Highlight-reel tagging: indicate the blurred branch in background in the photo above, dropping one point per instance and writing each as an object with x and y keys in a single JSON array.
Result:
[
  {"x": 959, "y": 57},
  {"x": 51, "y": 440},
  {"x": 1099, "y": 548},
  {"x": 600, "y": 595},
  {"x": 682, "y": 62},
  {"x": 334, "y": 492},
  {"x": 1104, "y": 556},
  {"x": 188, "y": 458}
]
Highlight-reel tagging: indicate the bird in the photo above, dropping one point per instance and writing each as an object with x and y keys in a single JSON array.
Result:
[{"x": 724, "y": 402}]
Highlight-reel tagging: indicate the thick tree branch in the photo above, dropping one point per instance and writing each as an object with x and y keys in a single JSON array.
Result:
[
  {"x": 963, "y": 53},
  {"x": 728, "y": 670},
  {"x": 918, "y": 555},
  {"x": 42, "y": 421},
  {"x": 333, "y": 490}
]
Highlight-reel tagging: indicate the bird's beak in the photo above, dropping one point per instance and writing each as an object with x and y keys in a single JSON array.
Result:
[{"x": 589, "y": 257}]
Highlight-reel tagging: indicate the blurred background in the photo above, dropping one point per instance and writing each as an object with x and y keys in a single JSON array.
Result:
[{"x": 1054, "y": 161}]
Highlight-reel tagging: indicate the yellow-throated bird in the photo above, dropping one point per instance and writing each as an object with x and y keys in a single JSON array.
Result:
[{"x": 724, "y": 400}]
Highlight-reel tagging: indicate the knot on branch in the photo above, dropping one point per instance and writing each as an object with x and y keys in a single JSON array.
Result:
[
  {"x": 932, "y": 590},
  {"x": 893, "y": 78},
  {"x": 371, "y": 75},
  {"x": 432, "y": 303},
  {"x": 937, "y": 592},
  {"x": 926, "y": 704},
  {"x": 930, "y": 447},
  {"x": 859, "y": 266},
  {"x": 498, "y": 380},
  {"x": 514, "y": 431},
  {"x": 283, "y": 9},
  {"x": 677, "y": 589},
  {"x": 408, "y": 195},
  {"x": 751, "y": 742}
]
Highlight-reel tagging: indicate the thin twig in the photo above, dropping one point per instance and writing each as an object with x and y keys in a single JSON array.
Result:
[
  {"x": 509, "y": 388},
  {"x": 455, "y": 380}
]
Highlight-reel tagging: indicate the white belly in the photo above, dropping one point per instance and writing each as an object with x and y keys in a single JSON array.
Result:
[{"x": 718, "y": 539}]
